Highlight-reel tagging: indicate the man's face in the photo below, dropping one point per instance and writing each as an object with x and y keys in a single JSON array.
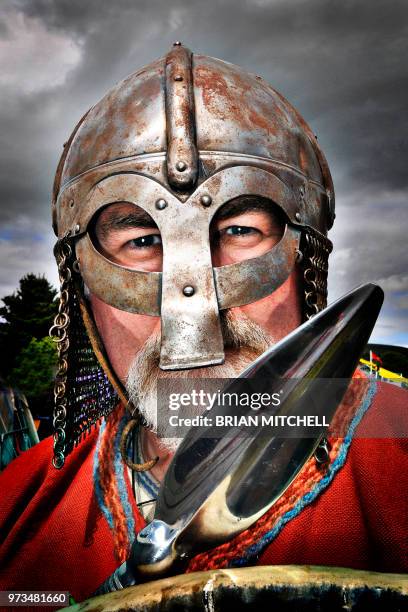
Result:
[{"x": 243, "y": 229}]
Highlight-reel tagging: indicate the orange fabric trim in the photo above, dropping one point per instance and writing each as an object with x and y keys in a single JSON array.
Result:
[
  {"x": 307, "y": 478},
  {"x": 109, "y": 485}
]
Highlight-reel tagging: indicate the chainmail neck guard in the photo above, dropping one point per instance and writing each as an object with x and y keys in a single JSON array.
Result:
[
  {"x": 83, "y": 392},
  {"x": 315, "y": 249}
]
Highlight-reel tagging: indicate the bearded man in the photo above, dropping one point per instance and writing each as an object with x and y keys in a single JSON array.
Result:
[{"x": 191, "y": 205}]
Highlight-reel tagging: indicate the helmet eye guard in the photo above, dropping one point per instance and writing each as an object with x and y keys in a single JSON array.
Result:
[
  {"x": 189, "y": 292},
  {"x": 243, "y": 228},
  {"x": 127, "y": 235}
]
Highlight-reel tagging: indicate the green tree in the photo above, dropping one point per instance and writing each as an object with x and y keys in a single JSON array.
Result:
[
  {"x": 28, "y": 313},
  {"x": 36, "y": 367}
]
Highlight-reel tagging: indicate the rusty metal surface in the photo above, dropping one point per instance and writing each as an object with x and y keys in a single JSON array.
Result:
[
  {"x": 226, "y": 184},
  {"x": 139, "y": 292},
  {"x": 183, "y": 128},
  {"x": 131, "y": 290},
  {"x": 130, "y": 120},
  {"x": 180, "y": 117},
  {"x": 191, "y": 332},
  {"x": 248, "y": 281},
  {"x": 237, "y": 115},
  {"x": 240, "y": 113}
]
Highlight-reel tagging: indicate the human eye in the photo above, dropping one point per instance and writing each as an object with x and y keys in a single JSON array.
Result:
[
  {"x": 240, "y": 230},
  {"x": 244, "y": 236},
  {"x": 145, "y": 242},
  {"x": 139, "y": 248},
  {"x": 238, "y": 235},
  {"x": 128, "y": 236}
]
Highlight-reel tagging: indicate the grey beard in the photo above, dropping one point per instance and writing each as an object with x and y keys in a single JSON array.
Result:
[{"x": 246, "y": 341}]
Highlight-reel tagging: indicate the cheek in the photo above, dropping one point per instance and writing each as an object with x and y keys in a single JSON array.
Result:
[
  {"x": 122, "y": 333},
  {"x": 279, "y": 313}
]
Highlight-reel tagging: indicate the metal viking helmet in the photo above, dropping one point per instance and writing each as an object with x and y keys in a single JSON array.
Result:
[{"x": 180, "y": 138}]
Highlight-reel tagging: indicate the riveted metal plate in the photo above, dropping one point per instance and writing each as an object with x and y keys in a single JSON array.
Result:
[
  {"x": 180, "y": 120},
  {"x": 191, "y": 332}
]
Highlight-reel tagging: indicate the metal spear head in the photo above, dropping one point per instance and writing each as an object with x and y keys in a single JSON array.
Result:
[{"x": 216, "y": 487}]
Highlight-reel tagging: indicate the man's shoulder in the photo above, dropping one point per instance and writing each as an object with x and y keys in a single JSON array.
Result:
[
  {"x": 21, "y": 481},
  {"x": 31, "y": 478},
  {"x": 388, "y": 391},
  {"x": 378, "y": 457},
  {"x": 387, "y": 416},
  {"x": 33, "y": 462}
]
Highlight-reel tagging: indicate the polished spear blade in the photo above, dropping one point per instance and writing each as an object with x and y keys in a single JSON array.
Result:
[
  {"x": 327, "y": 346},
  {"x": 216, "y": 487}
]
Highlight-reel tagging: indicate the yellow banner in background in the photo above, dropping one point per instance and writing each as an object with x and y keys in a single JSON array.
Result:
[{"x": 383, "y": 373}]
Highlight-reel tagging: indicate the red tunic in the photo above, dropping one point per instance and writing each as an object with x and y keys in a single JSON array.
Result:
[{"x": 55, "y": 533}]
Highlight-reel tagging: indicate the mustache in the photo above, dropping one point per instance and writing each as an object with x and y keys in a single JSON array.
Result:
[
  {"x": 239, "y": 332},
  {"x": 244, "y": 340}
]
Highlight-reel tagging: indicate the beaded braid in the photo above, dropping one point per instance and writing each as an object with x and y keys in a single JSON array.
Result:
[
  {"x": 83, "y": 392},
  {"x": 108, "y": 485}
]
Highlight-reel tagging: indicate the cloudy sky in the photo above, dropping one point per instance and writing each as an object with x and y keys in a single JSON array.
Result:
[{"x": 342, "y": 64}]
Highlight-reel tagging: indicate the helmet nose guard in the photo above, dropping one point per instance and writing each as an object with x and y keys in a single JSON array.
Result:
[
  {"x": 189, "y": 292},
  {"x": 195, "y": 133}
]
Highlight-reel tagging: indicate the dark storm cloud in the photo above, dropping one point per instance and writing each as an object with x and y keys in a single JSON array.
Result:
[{"x": 341, "y": 64}]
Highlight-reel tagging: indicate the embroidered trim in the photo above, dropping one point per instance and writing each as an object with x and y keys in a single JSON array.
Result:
[
  {"x": 119, "y": 468},
  {"x": 254, "y": 550},
  {"x": 97, "y": 482},
  {"x": 110, "y": 484},
  {"x": 113, "y": 499},
  {"x": 304, "y": 489}
]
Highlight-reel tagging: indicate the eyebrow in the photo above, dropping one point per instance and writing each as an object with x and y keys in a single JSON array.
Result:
[
  {"x": 244, "y": 204},
  {"x": 139, "y": 218}
]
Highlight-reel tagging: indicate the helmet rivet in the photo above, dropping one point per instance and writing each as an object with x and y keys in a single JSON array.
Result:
[
  {"x": 177, "y": 44},
  {"x": 76, "y": 229},
  {"x": 206, "y": 200},
  {"x": 188, "y": 290},
  {"x": 298, "y": 216},
  {"x": 178, "y": 77},
  {"x": 71, "y": 203},
  {"x": 181, "y": 166},
  {"x": 161, "y": 204}
]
